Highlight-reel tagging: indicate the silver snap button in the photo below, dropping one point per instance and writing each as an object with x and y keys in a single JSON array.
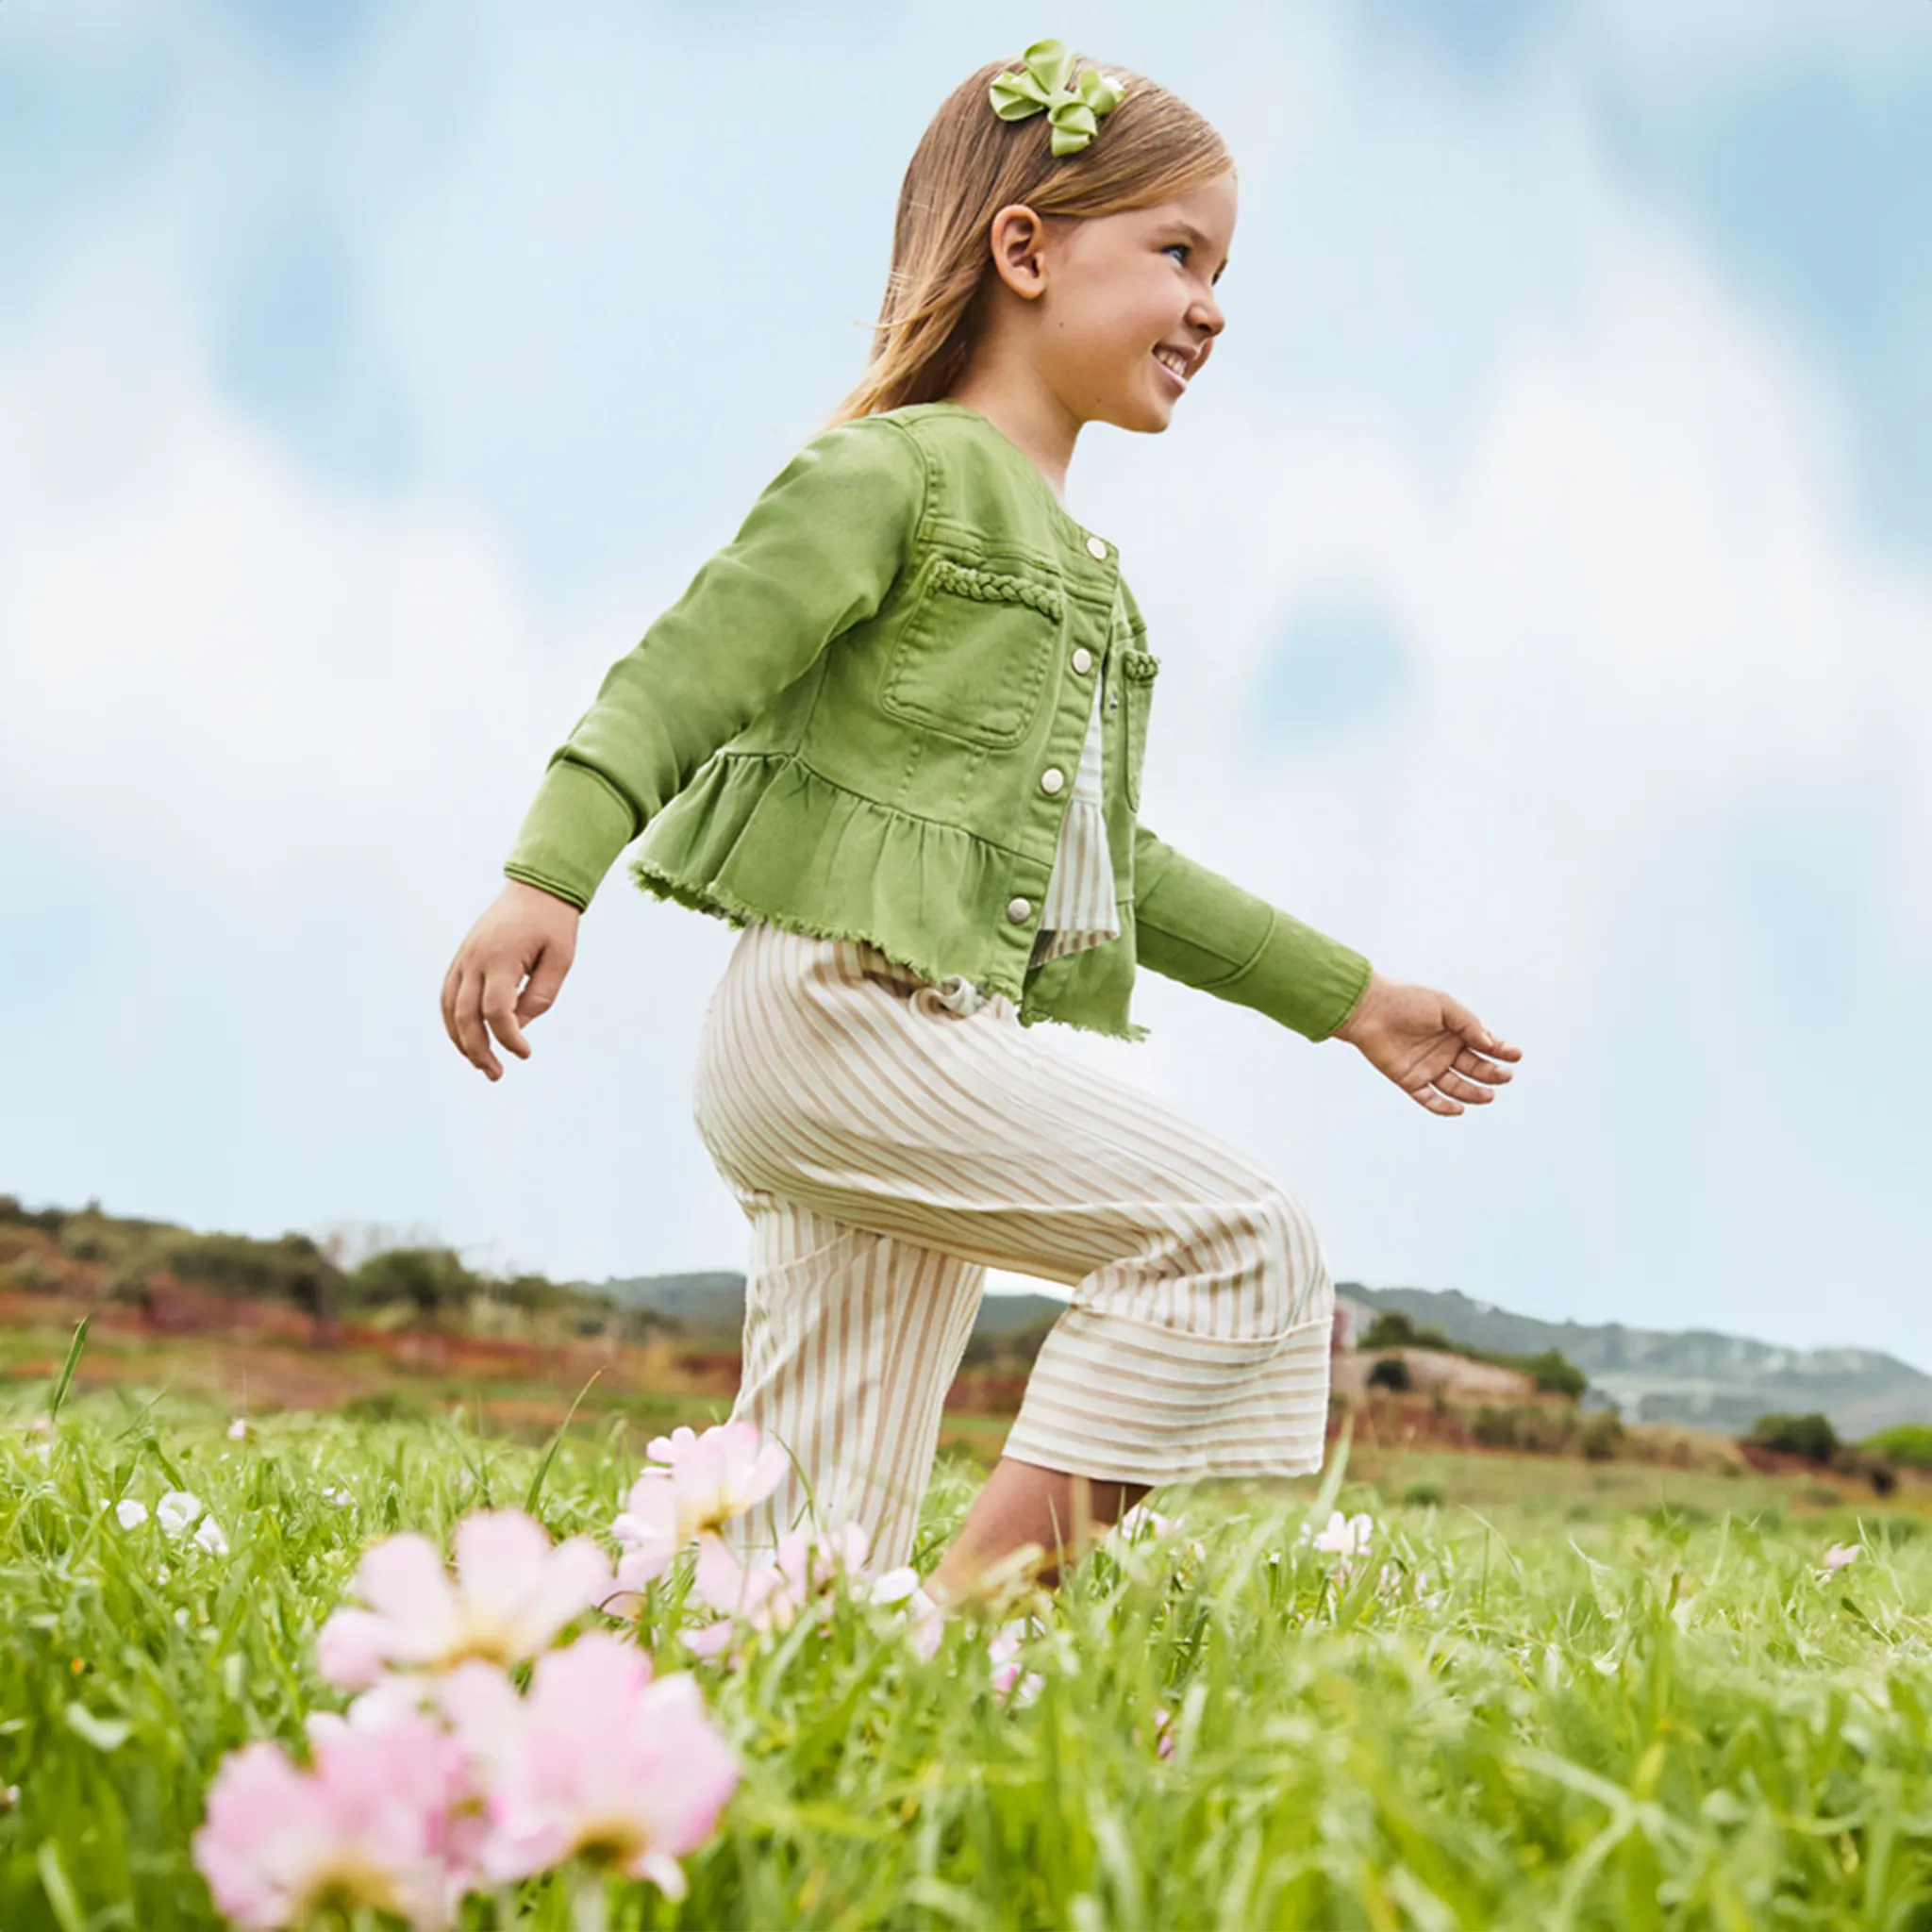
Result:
[
  {"x": 1052, "y": 778},
  {"x": 1019, "y": 910},
  {"x": 1083, "y": 660},
  {"x": 1096, "y": 547}
]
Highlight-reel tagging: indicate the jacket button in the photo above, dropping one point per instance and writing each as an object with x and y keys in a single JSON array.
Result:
[
  {"x": 1083, "y": 660},
  {"x": 1019, "y": 910},
  {"x": 1097, "y": 547},
  {"x": 1052, "y": 778}
]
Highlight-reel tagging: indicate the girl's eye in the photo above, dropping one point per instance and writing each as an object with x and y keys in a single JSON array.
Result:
[{"x": 1173, "y": 246}]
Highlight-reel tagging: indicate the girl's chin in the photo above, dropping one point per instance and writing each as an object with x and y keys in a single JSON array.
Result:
[
  {"x": 1156, "y": 410},
  {"x": 1141, "y": 406}
]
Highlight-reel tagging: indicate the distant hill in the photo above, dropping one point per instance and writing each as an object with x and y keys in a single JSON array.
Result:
[
  {"x": 1693, "y": 1375},
  {"x": 702, "y": 1305},
  {"x": 709, "y": 1309}
]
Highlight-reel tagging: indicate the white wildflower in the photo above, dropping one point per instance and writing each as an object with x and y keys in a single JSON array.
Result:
[
  {"x": 211, "y": 1538},
  {"x": 179, "y": 1511},
  {"x": 131, "y": 1514},
  {"x": 1346, "y": 1537}
]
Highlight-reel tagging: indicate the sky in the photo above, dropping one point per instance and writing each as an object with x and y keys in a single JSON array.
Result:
[{"x": 1541, "y": 576}]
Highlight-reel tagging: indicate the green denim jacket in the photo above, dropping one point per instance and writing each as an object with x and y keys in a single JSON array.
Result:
[{"x": 862, "y": 720}]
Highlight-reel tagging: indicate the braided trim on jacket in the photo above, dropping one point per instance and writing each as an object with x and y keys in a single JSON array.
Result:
[{"x": 994, "y": 587}]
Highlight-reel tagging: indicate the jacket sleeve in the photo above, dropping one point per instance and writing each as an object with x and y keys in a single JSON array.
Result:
[
  {"x": 817, "y": 553},
  {"x": 1194, "y": 925}
]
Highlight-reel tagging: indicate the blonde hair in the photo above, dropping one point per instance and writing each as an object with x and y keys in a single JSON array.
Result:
[{"x": 968, "y": 164}]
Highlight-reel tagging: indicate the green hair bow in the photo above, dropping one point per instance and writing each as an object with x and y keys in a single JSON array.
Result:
[{"x": 1074, "y": 110}]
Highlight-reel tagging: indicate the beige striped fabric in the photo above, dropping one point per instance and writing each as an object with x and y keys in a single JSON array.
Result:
[
  {"x": 888, "y": 1149},
  {"x": 1079, "y": 909}
]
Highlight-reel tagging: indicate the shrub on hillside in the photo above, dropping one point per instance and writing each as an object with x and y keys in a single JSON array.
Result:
[
  {"x": 429, "y": 1280},
  {"x": 88, "y": 1235},
  {"x": 1909, "y": 1445},
  {"x": 1810, "y": 1436},
  {"x": 1555, "y": 1373},
  {"x": 32, "y": 1272},
  {"x": 1389, "y": 1371},
  {"x": 535, "y": 1294},
  {"x": 1529, "y": 1427},
  {"x": 1602, "y": 1435},
  {"x": 293, "y": 1269},
  {"x": 1494, "y": 1428},
  {"x": 48, "y": 1220},
  {"x": 1392, "y": 1328},
  {"x": 1552, "y": 1371}
]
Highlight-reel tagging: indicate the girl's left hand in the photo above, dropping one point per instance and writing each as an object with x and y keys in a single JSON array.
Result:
[{"x": 1433, "y": 1047}]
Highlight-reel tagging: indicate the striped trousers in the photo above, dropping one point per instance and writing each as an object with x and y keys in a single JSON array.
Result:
[{"x": 888, "y": 1148}]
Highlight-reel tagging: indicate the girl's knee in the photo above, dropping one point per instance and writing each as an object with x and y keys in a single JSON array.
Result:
[{"x": 1291, "y": 1249}]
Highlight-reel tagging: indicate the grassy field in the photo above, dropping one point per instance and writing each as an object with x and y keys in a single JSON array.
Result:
[{"x": 1552, "y": 1694}]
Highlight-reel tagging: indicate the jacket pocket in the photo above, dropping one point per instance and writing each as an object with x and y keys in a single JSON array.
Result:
[
  {"x": 973, "y": 657},
  {"x": 1139, "y": 669}
]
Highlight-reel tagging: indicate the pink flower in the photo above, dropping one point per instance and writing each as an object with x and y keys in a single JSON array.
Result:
[
  {"x": 608, "y": 1766},
  {"x": 1164, "y": 1731},
  {"x": 649, "y": 1531},
  {"x": 512, "y": 1593},
  {"x": 370, "y": 1826},
  {"x": 771, "y": 1596},
  {"x": 1839, "y": 1555},
  {"x": 706, "y": 1481}
]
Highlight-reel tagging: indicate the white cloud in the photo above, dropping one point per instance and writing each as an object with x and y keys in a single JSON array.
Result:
[
  {"x": 1682, "y": 56},
  {"x": 279, "y": 736}
]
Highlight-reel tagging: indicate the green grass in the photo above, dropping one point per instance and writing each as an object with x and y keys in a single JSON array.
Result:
[{"x": 1653, "y": 1712}]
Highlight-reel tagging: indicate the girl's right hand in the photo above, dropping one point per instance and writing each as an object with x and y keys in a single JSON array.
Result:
[{"x": 526, "y": 938}]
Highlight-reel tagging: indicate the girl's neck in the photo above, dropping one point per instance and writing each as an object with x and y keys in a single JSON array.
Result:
[{"x": 1028, "y": 415}]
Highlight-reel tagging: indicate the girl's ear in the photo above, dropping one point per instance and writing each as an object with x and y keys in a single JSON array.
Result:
[{"x": 1017, "y": 238}]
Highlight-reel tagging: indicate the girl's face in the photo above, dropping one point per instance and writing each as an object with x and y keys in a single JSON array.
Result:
[{"x": 1129, "y": 316}]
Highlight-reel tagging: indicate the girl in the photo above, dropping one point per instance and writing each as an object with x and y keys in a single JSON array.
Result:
[{"x": 893, "y": 733}]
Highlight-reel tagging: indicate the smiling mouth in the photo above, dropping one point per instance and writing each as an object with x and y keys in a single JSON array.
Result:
[{"x": 1175, "y": 363}]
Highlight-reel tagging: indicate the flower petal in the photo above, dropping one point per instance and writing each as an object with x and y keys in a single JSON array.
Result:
[
  {"x": 500, "y": 1560},
  {"x": 402, "y": 1578},
  {"x": 351, "y": 1647}
]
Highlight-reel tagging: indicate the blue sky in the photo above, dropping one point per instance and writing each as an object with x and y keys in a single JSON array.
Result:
[{"x": 1543, "y": 582}]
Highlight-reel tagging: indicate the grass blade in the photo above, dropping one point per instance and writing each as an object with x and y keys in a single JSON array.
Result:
[
  {"x": 537, "y": 1481},
  {"x": 73, "y": 1349},
  {"x": 55, "y": 1884}
]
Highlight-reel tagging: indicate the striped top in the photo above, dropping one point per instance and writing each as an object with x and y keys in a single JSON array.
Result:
[{"x": 1079, "y": 909}]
